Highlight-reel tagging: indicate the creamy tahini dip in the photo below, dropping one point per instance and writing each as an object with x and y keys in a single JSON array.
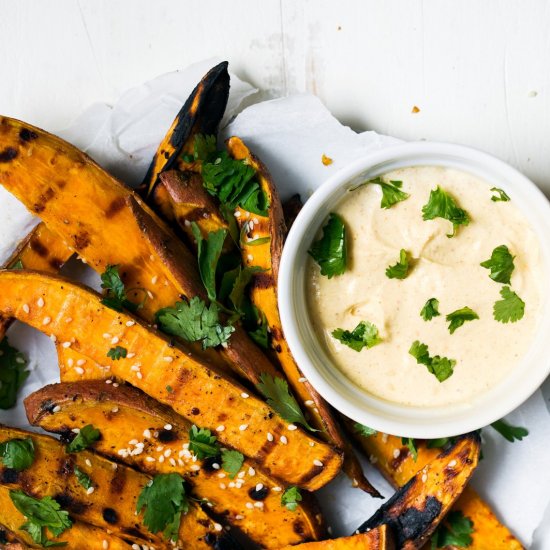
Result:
[{"x": 444, "y": 268}]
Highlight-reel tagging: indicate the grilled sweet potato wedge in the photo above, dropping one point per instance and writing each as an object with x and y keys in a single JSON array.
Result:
[
  {"x": 379, "y": 538},
  {"x": 415, "y": 510},
  {"x": 112, "y": 503},
  {"x": 125, "y": 414},
  {"x": 199, "y": 392},
  {"x": 262, "y": 246},
  {"x": 488, "y": 531}
]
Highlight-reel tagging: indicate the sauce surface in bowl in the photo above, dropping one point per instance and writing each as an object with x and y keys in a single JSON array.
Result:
[{"x": 447, "y": 269}]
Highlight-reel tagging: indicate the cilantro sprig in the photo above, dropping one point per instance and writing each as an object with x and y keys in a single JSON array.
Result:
[
  {"x": 83, "y": 478},
  {"x": 364, "y": 335},
  {"x": 401, "y": 269},
  {"x": 116, "y": 353},
  {"x": 510, "y": 309},
  {"x": 232, "y": 462},
  {"x": 84, "y": 439},
  {"x": 455, "y": 531},
  {"x": 500, "y": 264},
  {"x": 509, "y": 432},
  {"x": 430, "y": 309},
  {"x": 442, "y": 205},
  {"x": 410, "y": 443},
  {"x": 458, "y": 317},
  {"x": 500, "y": 196},
  {"x": 115, "y": 296},
  {"x": 440, "y": 367},
  {"x": 391, "y": 192},
  {"x": 330, "y": 251},
  {"x": 209, "y": 251},
  {"x": 291, "y": 498},
  {"x": 13, "y": 373},
  {"x": 17, "y": 453},
  {"x": 363, "y": 430},
  {"x": 202, "y": 443}
]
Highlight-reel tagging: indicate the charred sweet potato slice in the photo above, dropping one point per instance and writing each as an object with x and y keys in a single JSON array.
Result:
[
  {"x": 488, "y": 531},
  {"x": 379, "y": 538},
  {"x": 112, "y": 503},
  {"x": 125, "y": 414},
  {"x": 262, "y": 245},
  {"x": 199, "y": 392},
  {"x": 415, "y": 510}
]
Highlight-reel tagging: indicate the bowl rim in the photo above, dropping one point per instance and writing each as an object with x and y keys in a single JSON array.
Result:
[{"x": 332, "y": 385}]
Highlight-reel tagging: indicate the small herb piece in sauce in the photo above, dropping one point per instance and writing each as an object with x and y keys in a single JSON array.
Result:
[
  {"x": 457, "y": 318},
  {"x": 455, "y": 532},
  {"x": 401, "y": 269},
  {"x": 13, "y": 373},
  {"x": 510, "y": 309},
  {"x": 116, "y": 294},
  {"x": 509, "y": 432},
  {"x": 442, "y": 205},
  {"x": 501, "y": 264},
  {"x": 84, "y": 438},
  {"x": 278, "y": 396},
  {"x": 391, "y": 192},
  {"x": 430, "y": 309},
  {"x": 17, "y": 453},
  {"x": 364, "y": 335},
  {"x": 83, "y": 478},
  {"x": 202, "y": 443},
  {"x": 291, "y": 497},
  {"x": 440, "y": 367},
  {"x": 363, "y": 430},
  {"x": 330, "y": 251},
  {"x": 411, "y": 445},
  {"x": 208, "y": 252},
  {"x": 500, "y": 196},
  {"x": 232, "y": 462},
  {"x": 117, "y": 353},
  {"x": 164, "y": 501}
]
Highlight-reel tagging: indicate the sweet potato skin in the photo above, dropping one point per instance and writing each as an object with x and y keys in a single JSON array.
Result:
[
  {"x": 125, "y": 414},
  {"x": 199, "y": 393}
]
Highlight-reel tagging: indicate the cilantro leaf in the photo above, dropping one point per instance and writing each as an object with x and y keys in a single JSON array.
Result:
[
  {"x": 115, "y": 297},
  {"x": 204, "y": 146},
  {"x": 501, "y": 264},
  {"x": 83, "y": 478},
  {"x": 391, "y": 192},
  {"x": 439, "y": 442},
  {"x": 363, "y": 430},
  {"x": 400, "y": 270},
  {"x": 440, "y": 367},
  {"x": 237, "y": 296},
  {"x": 84, "y": 438},
  {"x": 442, "y": 205},
  {"x": 41, "y": 513},
  {"x": 202, "y": 443},
  {"x": 365, "y": 334},
  {"x": 500, "y": 196},
  {"x": 209, "y": 251},
  {"x": 278, "y": 396},
  {"x": 454, "y": 532},
  {"x": 458, "y": 317},
  {"x": 330, "y": 251},
  {"x": 12, "y": 373},
  {"x": 411, "y": 445},
  {"x": 430, "y": 309},
  {"x": 117, "y": 353},
  {"x": 261, "y": 334},
  {"x": 291, "y": 497},
  {"x": 17, "y": 453},
  {"x": 194, "y": 321},
  {"x": 232, "y": 462},
  {"x": 18, "y": 264},
  {"x": 509, "y": 432},
  {"x": 164, "y": 500},
  {"x": 510, "y": 309}
]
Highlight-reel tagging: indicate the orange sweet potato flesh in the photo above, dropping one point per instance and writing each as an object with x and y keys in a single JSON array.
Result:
[
  {"x": 264, "y": 296},
  {"x": 488, "y": 531},
  {"x": 415, "y": 510},
  {"x": 379, "y": 538},
  {"x": 107, "y": 223},
  {"x": 125, "y": 414},
  {"x": 199, "y": 392},
  {"x": 110, "y": 506}
]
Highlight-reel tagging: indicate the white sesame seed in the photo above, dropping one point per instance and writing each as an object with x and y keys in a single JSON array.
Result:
[
  {"x": 135, "y": 368},
  {"x": 223, "y": 486},
  {"x": 259, "y": 486},
  {"x": 56, "y": 409},
  {"x": 90, "y": 490},
  {"x": 221, "y": 475},
  {"x": 220, "y": 428},
  {"x": 302, "y": 379},
  {"x": 76, "y": 430},
  {"x": 396, "y": 453},
  {"x": 154, "y": 279},
  {"x": 130, "y": 355},
  {"x": 147, "y": 433},
  {"x": 259, "y": 504},
  {"x": 116, "y": 384},
  {"x": 130, "y": 323},
  {"x": 108, "y": 381},
  {"x": 452, "y": 464},
  {"x": 106, "y": 335},
  {"x": 79, "y": 370},
  {"x": 53, "y": 338},
  {"x": 251, "y": 471},
  {"x": 139, "y": 375},
  {"x": 70, "y": 361},
  {"x": 40, "y": 302},
  {"x": 195, "y": 467},
  {"x": 256, "y": 221},
  {"x": 160, "y": 448},
  {"x": 187, "y": 223},
  {"x": 249, "y": 505},
  {"x": 88, "y": 463},
  {"x": 168, "y": 427},
  {"x": 292, "y": 427},
  {"x": 312, "y": 443},
  {"x": 231, "y": 484},
  {"x": 180, "y": 462},
  {"x": 318, "y": 463},
  {"x": 309, "y": 403},
  {"x": 133, "y": 442},
  {"x": 114, "y": 409},
  {"x": 283, "y": 440},
  {"x": 424, "y": 478},
  {"x": 237, "y": 214},
  {"x": 217, "y": 527},
  {"x": 245, "y": 395},
  {"x": 250, "y": 257},
  {"x": 46, "y": 320},
  {"x": 238, "y": 516},
  {"x": 81, "y": 362},
  {"x": 384, "y": 438},
  {"x": 269, "y": 436},
  {"x": 167, "y": 453},
  {"x": 115, "y": 340},
  {"x": 168, "y": 359},
  {"x": 26, "y": 308},
  {"x": 150, "y": 294},
  {"x": 172, "y": 462},
  {"x": 161, "y": 459},
  {"x": 216, "y": 466},
  {"x": 68, "y": 319},
  {"x": 247, "y": 214},
  {"x": 277, "y": 489},
  {"x": 240, "y": 475},
  {"x": 105, "y": 544},
  {"x": 136, "y": 547},
  {"x": 66, "y": 344},
  {"x": 150, "y": 459}
]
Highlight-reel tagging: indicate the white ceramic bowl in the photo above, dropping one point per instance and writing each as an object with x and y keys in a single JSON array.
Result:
[{"x": 339, "y": 391}]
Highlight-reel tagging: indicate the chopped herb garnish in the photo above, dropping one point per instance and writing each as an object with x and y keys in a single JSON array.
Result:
[
  {"x": 257, "y": 242},
  {"x": 430, "y": 309},
  {"x": 455, "y": 532},
  {"x": 400, "y": 270},
  {"x": 115, "y": 297},
  {"x": 458, "y": 317},
  {"x": 17, "y": 453},
  {"x": 232, "y": 462},
  {"x": 411, "y": 445},
  {"x": 164, "y": 501},
  {"x": 84, "y": 438},
  {"x": 363, "y": 430},
  {"x": 391, "y": 192},
  {"x": 440, "y": 367},
  {"x": 364, "y": 335},
  {"x": 209, "y": 251},
  {"x": 237, "y": 296},
  {"x": 330, "y": 251},
  {"x": 442, "y": 205},
  {"x": 291, "y": 497},
  {"x": 83, "y": 478},
  {"x": 41, "y": 514},
  {"x": 18, "y": 264},
  {"x": 204, "y": 146},
  {"x": 501, "y": 264},
  {"x": 509, "y": 432},
  {"x": 500, "y": 195},
  {"x": 278, "y": 396},
  {"x": 510, "y": 309},
  {"x": 260, "y": 334},
  {"x": 202, "y": 443},
  {"x": 194, "y": 321},
  {"x": 13, "y": 374},
  {"x": 117, "y": 353},
  {"x": 169, "y": 389}
]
